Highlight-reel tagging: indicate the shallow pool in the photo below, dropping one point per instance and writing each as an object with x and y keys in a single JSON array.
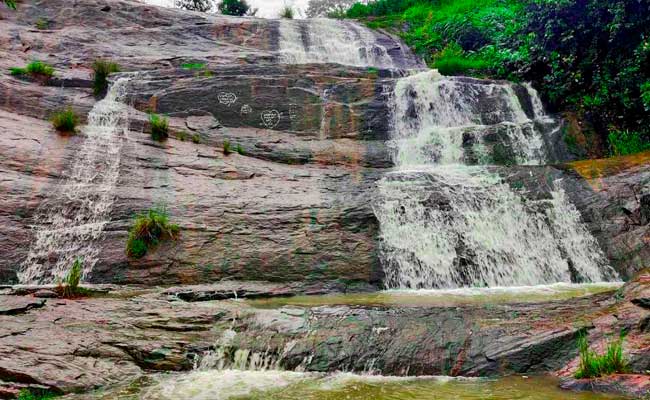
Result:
[
  {"x": 280, "y": 385},
  {"x": 444, "y": 297}
]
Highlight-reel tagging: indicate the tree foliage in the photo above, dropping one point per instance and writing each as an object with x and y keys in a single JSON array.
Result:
[
  {"x": 234, "y": 7},
  {"x": 195, "y": 5},
  {"x": 591, "y": 57}
]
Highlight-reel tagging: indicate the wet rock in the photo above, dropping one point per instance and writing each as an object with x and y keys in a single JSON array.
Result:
[
  {"x": 636, "y": 386},
  {"x": 642, "y": 302},
  {"x": 12, "y": 305}
]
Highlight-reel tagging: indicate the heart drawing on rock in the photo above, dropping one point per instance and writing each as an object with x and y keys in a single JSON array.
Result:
[
  {"x": 227, "y": 98},
  {"x": 271, "y": 118}
]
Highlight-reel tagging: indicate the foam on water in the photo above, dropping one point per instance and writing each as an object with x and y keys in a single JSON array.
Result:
[
  {"x": 445, "y": 224},
  {"x": 72, "y": 218}
]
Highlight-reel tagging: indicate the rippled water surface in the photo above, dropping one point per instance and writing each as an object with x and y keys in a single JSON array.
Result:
[{"x": 279, "y": 385}]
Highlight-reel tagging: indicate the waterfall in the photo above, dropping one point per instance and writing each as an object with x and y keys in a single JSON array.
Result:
[
  {"x": 325, "y": 40},
  {"x": 448, "y": 219},
  {"x": 72, "y": 218}
]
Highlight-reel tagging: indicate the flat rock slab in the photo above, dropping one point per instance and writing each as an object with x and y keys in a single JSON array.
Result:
[
  {"x": 12, "y": 305},
  {"x": 636, "y": 386}
]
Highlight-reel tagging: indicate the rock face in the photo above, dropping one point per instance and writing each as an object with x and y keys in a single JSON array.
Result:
[
  {"x": 78, "y": 345},
  {"x": 293, "y": 203}
]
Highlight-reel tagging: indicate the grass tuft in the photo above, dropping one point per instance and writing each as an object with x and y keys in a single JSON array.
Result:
[
  {"x": 227, "y": 147},
  {"x": 65, "y": 121},
  {"x": 593, "y": 365},
  {"x": 287, "y": 12},
  {"x": 27, "y": 394},
  {"x": 148, "y": 230},
  {"x": 102, "y": 69},
  {"x": 69, "y": 288},
  {"x": 37, "y": 69},
  {"x": 159, "y": 127}
]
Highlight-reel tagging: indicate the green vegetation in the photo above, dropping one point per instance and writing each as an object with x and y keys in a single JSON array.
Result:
[
  {"x": 624, "y": 143},
  {"x": 10, "y": 3},
  {"x": 69, "y": 288},
  {"x": 148, "y": 230},
  {"x": 35, "y": 69},
  {"x": 27, "y": 394},
  {"x": 42, "y": 23},
  {"x": 239, "y": 149},
  {"x": 227, "y": 147},
  {"x": 193, "y": 66},
  {"x": 593, "y": 365},
  {"x": 196, "y": 138},
  {"x": 287, "y": 12},
  {"x": 590, "y": 57},
  {"x": 159, "y": 127},
  {"x": 102, "y": 69},
  {"x": 65, "y": 121},
  {"x": 234, "y": 7}
]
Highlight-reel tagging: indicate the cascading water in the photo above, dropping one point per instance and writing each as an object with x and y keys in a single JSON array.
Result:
[
  {"x": 449, "y": 220},
  {"x": 73, "y": 218},
  {"x": 331, "y": 41}
]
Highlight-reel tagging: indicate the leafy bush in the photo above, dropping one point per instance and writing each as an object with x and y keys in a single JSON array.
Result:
[
  {"x": 27, "y": 394},
  {"x": 234, "y": 7},
  {"x": 159, "y": 127},
  {"x": 645, "y": 95},
  {"x": 227, "y": 147},
  {"x": 623, "y": 143},
  {"x": 593, "y": 365},
  {"x": 101, "y": 70},
  {"x": 148, "y": 230},
  {"x": 65, "y": 121},
  {"x": 591, "y": 57},
  {"x": 287, "y": 12},
  {"x": 34, "y": 68}
]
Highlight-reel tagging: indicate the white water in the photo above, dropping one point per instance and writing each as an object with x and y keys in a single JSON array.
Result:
[
  {"x": 72, "y": 218},
  {"x": 445, "y": 224},
  {"x": 324, "y": 40}
]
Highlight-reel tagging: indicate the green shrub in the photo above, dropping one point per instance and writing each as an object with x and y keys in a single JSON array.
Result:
[
  {"x": 10, "y": 3},
  {"x": 159, "y": 127},
  {"x": 593, "y": 365},
  {"x": 239, "y": 149},
  {"x": 452, "y": 61},
  {"x": 234, "y": 7},
  {"x": 623, "y": 143},
  {"x": 645, "y": 95},
  {"x": 287, "y": 12},
  {"x": 196, "y": 138},
  {"x": 27, "y": 394},
  {"x": 65, "y": 121},
  {"x": 101, "y": 70},
  {"x": 148, "y": 230},
  {"x": 227, "y": 147},
  {"x": 34, "y": 68}
]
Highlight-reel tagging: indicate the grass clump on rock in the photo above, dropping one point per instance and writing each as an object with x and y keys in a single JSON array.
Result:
[
  {"x": 593, "y": 365},
  {"x": 148, "y": 230},
  {"x": 287, "y": 12},
  {"x": 227, "y": 147},
  {"x": 102, "y": 69},
  {"x": 65, "y": 121},
  {"x": 35, "y": 69},
  {"x": 69, "y": 288},
  {"x": 159, "y": 127},
  {"x": 27, "y": 394}
]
